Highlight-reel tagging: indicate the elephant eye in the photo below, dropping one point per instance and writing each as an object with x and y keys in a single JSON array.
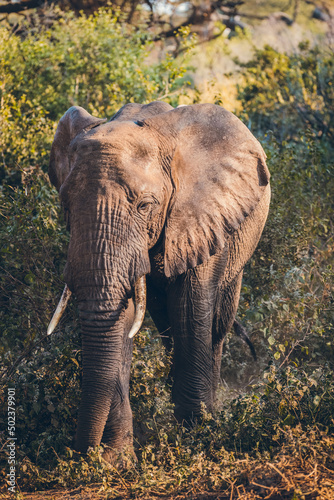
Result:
[{"x": 144, "y": 207}]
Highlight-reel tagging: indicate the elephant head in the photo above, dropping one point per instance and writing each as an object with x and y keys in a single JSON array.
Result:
[{"x": 182, "y": 181}]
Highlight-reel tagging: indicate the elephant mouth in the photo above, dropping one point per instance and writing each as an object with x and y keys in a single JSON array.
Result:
[{"x": 140, "y": 307}]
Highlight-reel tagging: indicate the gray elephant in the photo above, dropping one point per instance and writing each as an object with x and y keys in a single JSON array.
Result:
[{"x": 176, "y": 198}]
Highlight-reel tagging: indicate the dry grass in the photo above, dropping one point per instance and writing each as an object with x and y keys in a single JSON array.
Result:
[
  {"x": 285, "y": 479},
  {"x": 302, "y": 469}
]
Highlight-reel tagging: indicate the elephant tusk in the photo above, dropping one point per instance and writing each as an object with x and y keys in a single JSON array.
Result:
[
  {"x": 60, "y": 309},
  {"x": 140, "y": 304}
]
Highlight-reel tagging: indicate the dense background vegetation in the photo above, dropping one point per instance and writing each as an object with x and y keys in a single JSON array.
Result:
[{"x": 273, "y": 415}]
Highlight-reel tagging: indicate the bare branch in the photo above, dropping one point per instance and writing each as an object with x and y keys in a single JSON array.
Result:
[{"x": 10, "y": 8}]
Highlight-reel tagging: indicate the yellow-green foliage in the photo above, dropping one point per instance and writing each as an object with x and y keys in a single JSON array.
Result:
[
  {"x": 96, "y": 62},
  {"x": 287, "y": 93}
]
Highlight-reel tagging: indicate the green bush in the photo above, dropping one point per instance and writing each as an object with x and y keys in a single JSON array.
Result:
[
  {"x": 287, "y": 291},
  {"x": 287, "y": 294},
  {"x": 288, "y": 94},
  {"x": 99, "y": 63}
]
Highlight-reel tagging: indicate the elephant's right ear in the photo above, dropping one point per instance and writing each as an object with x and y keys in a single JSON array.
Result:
[{"x": 74, "y": 121}]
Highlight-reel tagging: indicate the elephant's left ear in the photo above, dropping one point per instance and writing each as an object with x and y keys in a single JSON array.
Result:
[
  {"x": 74, "y": 121},
  {"x": 219, "y": 175}
]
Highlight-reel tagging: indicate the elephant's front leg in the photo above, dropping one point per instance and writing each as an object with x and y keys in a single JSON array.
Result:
[{"x": 192, "y": 301}]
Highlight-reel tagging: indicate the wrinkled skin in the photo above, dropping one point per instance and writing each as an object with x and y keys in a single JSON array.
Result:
[{"x": 181, "y": 196}]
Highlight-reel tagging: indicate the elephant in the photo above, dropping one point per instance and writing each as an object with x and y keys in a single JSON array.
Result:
[{"x": 165, "y": 206}]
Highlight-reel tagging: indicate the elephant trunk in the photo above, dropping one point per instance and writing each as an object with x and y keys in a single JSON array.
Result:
[
  {"x": 105, "y": 260},
  {"x": 103, "y": 282},
  {"x": 104, "y": 333}
]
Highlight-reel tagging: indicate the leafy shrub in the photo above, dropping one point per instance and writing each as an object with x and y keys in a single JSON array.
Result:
[
  {"x": 287, "y": 289},
  {"x": 99, "y": 63},
  {"x": 287, "y": 94},
  {"x": 287, "y": 295}
]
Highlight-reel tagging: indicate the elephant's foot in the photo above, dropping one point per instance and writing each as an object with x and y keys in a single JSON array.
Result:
[
  {"x": 121, "y": 459},
  {"x": 189, "y": 416}
]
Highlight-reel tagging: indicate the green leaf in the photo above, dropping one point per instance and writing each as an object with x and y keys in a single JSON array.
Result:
[{"x": 271, "y": 340}]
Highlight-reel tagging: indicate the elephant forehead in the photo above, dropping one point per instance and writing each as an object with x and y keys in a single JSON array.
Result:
[
  {"x": 124, "y": 137},
  {"x": 99, "y": 166},
  {"x": 123, "y": 146},
  {"x": 121, "y": 166}
]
